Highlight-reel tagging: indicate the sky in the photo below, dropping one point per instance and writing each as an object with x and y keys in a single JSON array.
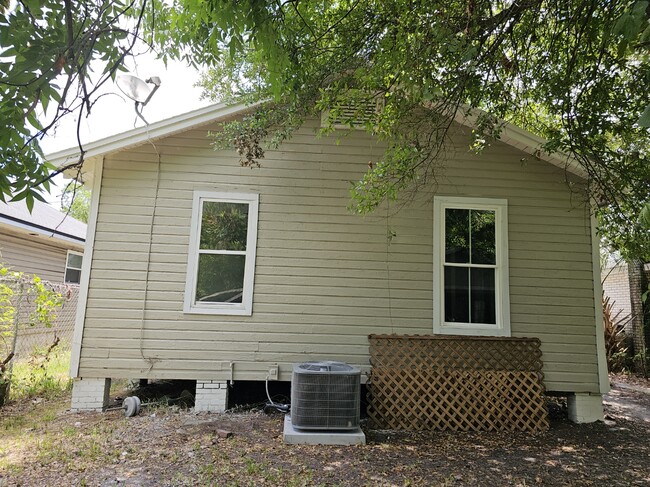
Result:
[{"x": 115, "y": 113}]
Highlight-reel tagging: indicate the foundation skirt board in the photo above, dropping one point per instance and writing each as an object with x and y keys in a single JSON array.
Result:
[{"x": 293, "y": 436}]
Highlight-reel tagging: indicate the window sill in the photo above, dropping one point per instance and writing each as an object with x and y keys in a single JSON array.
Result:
[
  {"x": 471, "y": 330},
  {"x": 209, "y": 310}
]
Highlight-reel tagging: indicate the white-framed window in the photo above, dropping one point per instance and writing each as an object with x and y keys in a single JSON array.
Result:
[
  {"x": 73, "y": 267},
  {"x": 221, "y": 257},
  {"x": 471, "y": 290}
]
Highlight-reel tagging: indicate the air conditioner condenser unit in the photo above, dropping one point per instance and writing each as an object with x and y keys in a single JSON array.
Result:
[{"x": 325, "y": 396}]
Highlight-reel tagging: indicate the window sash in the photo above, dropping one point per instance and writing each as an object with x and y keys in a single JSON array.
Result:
[
  {"x": 75, "y": 270},
  {"x": 191, "y": 303},
  {"x": 465, "y": 286},
  {"x": 500, "y": 267}
]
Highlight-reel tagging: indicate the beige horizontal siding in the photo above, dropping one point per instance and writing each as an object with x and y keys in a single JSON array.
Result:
[
  {"x": 324, "y": 278},
  {"x": 26, "y": 254}
]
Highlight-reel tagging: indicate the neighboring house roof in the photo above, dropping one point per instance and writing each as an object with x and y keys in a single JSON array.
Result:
[
  {"x": 44, "y": 221},
  {"x": 510, "y": 134}
]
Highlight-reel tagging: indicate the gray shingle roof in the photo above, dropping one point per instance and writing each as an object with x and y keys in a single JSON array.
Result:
[{"x": 43, "y": 218}]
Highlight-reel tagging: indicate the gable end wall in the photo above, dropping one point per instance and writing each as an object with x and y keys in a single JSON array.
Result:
[{"x": 324, "y": 278}]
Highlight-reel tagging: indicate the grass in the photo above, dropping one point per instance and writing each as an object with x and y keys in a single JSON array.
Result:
[
  {"x": 44, "y": 376},
  {"x": 41, "y": 435},
  {"x": 40, "y": 376},
  {"x": 27, "y": 431}
]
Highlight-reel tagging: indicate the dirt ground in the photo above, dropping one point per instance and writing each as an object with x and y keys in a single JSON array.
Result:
[{"x": 43, "y": 444}]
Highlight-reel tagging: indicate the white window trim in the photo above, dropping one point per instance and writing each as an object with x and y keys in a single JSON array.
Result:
[
  {"x": 244, "y": 308},
  {"x": 502, "y": 286},
  {"x": 65, "y": 271}
]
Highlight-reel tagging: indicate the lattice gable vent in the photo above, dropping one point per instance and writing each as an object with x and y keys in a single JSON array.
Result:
[{"x": 353, "y": 115}]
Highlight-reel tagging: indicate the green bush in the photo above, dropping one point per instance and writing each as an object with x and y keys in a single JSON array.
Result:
[
  {"x": 17, "y": 288},
  {"x": 618, "y": 356},
  {"x": 44, "y": 374}
]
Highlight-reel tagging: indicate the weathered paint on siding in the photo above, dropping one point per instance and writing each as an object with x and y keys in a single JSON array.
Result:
[
  {"x": 324, "y": 278},
  {"x": 33, "y": 257}
]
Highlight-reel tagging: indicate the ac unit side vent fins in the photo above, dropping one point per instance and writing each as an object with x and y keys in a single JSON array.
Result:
[{"x": 325, "y": 396}]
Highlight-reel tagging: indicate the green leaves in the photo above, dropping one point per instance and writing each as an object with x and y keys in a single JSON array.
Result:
[
  {"x": 40, "y": 304},
  {"x": 573, "y": 72},
  {"x": 75, "y": 201},
  {"x": 644, "y": 119},
  {"x": 644, "y": 216},
  {"x": 50, "y": 52},
  {"x": 632, "y": 22}
]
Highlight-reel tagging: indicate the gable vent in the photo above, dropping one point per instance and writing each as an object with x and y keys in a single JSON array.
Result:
[{"x": 352, "y": 115}]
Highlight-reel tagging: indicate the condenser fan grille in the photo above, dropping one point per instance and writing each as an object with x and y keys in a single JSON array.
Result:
[{"x": 325, "y": 395}]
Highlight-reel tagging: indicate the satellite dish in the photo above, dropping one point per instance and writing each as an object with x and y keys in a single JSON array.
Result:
[
  {"x": 133, "y": 87},
  {"x": 138, "y": 90}
]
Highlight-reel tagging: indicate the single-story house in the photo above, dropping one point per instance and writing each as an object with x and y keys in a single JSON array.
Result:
[
  {"x": 45, "y": 242},
  {"x": 198, "y": 268}
]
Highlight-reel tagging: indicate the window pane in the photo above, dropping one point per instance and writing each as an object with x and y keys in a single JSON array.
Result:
[
  {"x": 224, "y": 226},
  {"x": 483, "y": 243},
  {"x": 457, "y": 294},
  {"x": 72, "y": 276},
  {"x": 483, "y": 296},
  {"x": 74, "y": 261},
  {"x": 220, "y": 278},
  {"x": 456, "y": 235}
]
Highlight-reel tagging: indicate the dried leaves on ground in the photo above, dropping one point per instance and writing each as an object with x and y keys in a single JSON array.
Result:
[{"x": 44, "y": 444}]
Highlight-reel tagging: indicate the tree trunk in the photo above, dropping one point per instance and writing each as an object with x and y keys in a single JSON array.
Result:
[
  {"x": 636, "y": 279},
  {"x": 4, "y": 391}
]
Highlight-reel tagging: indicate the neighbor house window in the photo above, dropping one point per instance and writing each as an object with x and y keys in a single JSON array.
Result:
[
  {"x": 73, "y": 267},
  {"x": 221, "y": 258},
  {"x": 471, "y": 266}
]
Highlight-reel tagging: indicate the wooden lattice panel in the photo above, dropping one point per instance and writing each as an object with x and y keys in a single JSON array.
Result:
[{"x": 456, "y": 383}]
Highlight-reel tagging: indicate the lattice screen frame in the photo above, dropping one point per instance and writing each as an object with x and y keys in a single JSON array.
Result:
[{"x": 459, "y": 383}]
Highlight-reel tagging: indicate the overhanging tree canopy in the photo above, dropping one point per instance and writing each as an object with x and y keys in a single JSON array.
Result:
[
  {"x": 54, "y": 58},
  {"x": 575, "y": 72}
]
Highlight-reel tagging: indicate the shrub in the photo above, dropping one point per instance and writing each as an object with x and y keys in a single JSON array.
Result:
[
  {"x": 617, "y": 352},
  {"x": 44, "y": 374},
  {"x": 44, "y": 302}
]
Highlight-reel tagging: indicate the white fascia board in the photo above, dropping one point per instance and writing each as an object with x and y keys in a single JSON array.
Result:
[
  {"x": 527, "y": 142},
  {"x": 140, "y": 135}
]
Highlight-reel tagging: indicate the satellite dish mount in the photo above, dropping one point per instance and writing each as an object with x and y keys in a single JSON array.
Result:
[{"x": 139, "y": 91}]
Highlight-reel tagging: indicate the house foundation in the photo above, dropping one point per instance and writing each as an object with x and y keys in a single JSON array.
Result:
[
  {"x": 90, "y": 394},
  {"x": 585, "y": 407},
  {"x": 211, "y": 396}
]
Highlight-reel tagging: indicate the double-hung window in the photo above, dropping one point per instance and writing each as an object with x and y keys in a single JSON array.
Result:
[
  {"x": 73, "y": 267},
  {"x": 471, "y": 266},
  {"x": 221, "y": 257}
]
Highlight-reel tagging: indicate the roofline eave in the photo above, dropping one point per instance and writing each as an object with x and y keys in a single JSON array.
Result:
[
  {"x": 24, "y": 227},
  {"x": 154, "y": 131},
  {"x": 529, "y": 143},
  {"x": 511, "y": 135}
]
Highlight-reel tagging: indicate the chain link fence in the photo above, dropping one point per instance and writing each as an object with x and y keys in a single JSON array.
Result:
[{"x": 35, "y": 316}]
